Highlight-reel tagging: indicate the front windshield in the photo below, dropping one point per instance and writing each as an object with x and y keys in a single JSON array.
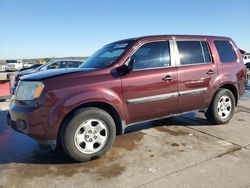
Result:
[
  {"x": 106, "y": 56},
  {"x": 42, "y": 67},
  {"x": 11, "y": 61}
]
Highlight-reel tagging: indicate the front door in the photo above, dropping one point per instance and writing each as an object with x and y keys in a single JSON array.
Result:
[{"x": 150, "y": 89}]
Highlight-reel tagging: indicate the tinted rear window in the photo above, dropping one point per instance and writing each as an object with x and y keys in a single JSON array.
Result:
[
  {"x": 226, "y": 51},
  {"x": 193, "y": 52}
]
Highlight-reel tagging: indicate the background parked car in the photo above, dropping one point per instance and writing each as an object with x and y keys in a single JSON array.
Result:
[
  {"x": 14, "y": 65},
  {"x": 59, "y": 64},
  {"x": 248, "y": 66},
  {"x": 27, "y": 65},
  {"x": 246, "y": 58},
  {"x": 248, "y": 70},
  {"x": 2, "y": 67}
]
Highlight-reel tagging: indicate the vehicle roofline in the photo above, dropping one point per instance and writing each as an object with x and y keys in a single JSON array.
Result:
[{"x": 174, "y": 36}]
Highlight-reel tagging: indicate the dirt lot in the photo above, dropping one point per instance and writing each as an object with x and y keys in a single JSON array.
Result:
[{"x": 183, "y": 151}]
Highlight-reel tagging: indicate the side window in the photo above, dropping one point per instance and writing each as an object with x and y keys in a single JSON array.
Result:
[
  {"x": 152, "y": 55},
  {"x": 55, "y": 65},
  {"x": 63, "y": 64},
  {"x": 193, "y": 52},
  {"x": 225, "y": 50},
  {"x": 73, "y": 64}
]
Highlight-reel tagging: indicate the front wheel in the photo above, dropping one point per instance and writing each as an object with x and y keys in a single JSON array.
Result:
[
  {"x": 89, "y": 134},
  {"x": 222, "y": 108}
]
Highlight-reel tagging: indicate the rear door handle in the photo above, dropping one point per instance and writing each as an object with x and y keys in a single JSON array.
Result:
[
  {"x": 210, "y": 72},
  {"x": 168, "y": 78}
]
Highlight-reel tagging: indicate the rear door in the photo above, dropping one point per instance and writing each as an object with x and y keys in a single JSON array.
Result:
[
  {"x": 150, "y": 89},
  {"x": 196, "y": 74}
]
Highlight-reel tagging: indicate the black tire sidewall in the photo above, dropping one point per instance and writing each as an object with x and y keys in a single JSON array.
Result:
[{"x": 79, "y": 117}]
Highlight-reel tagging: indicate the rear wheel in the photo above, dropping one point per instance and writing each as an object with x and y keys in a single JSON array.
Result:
[
  {"x": 89, "y": 134},
  {"x": 222, "y": 108}
]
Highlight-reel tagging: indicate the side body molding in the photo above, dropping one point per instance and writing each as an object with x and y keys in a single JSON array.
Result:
[{"x": 167, "y": 96}]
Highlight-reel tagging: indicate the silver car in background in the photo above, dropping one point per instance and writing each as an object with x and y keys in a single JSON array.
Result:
[{"x": 58, "y": 64}]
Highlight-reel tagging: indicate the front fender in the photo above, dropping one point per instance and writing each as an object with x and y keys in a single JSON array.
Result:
[{"x": 62, "y": 108}]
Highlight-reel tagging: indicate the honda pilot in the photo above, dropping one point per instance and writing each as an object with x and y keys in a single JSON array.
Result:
[{"x": 126, "y": 82}]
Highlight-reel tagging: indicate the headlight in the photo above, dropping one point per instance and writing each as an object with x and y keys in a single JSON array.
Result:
[{"x": 29, "y": 90}]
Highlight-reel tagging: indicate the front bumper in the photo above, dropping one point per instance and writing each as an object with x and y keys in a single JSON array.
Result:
[
  {"x": 11, "y": 69},
  {"x": 32, "y": 121}
]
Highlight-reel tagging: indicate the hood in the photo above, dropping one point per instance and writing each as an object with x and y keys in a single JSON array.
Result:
[
  {"x": 52, "y": 73},
  {"x": 28, "y": 71},
  {"x": 10, "y": 64}
]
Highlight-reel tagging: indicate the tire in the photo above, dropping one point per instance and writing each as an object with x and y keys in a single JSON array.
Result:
[
  {"x": 88, "y": 134},
  {"x": 222, "y": 107}
]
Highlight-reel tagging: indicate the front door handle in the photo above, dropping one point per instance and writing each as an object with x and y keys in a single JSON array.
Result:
[
  {"x": 168, "y": 78},
  {"x": 210, "y": 72}
]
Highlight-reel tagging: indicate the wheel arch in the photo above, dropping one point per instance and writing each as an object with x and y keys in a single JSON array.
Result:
[
  {"x": 99, "y": 104},
  {"x": 231, "y": 87}
]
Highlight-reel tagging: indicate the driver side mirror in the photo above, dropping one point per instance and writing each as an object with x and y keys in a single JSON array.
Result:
[{"x": 125, "y": 68}]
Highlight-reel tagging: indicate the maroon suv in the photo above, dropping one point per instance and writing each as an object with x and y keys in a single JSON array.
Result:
[{"x": 126, "y": 82}]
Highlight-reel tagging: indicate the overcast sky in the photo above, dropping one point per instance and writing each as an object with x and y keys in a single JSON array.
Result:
[{"x": 59, "y": 28}]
